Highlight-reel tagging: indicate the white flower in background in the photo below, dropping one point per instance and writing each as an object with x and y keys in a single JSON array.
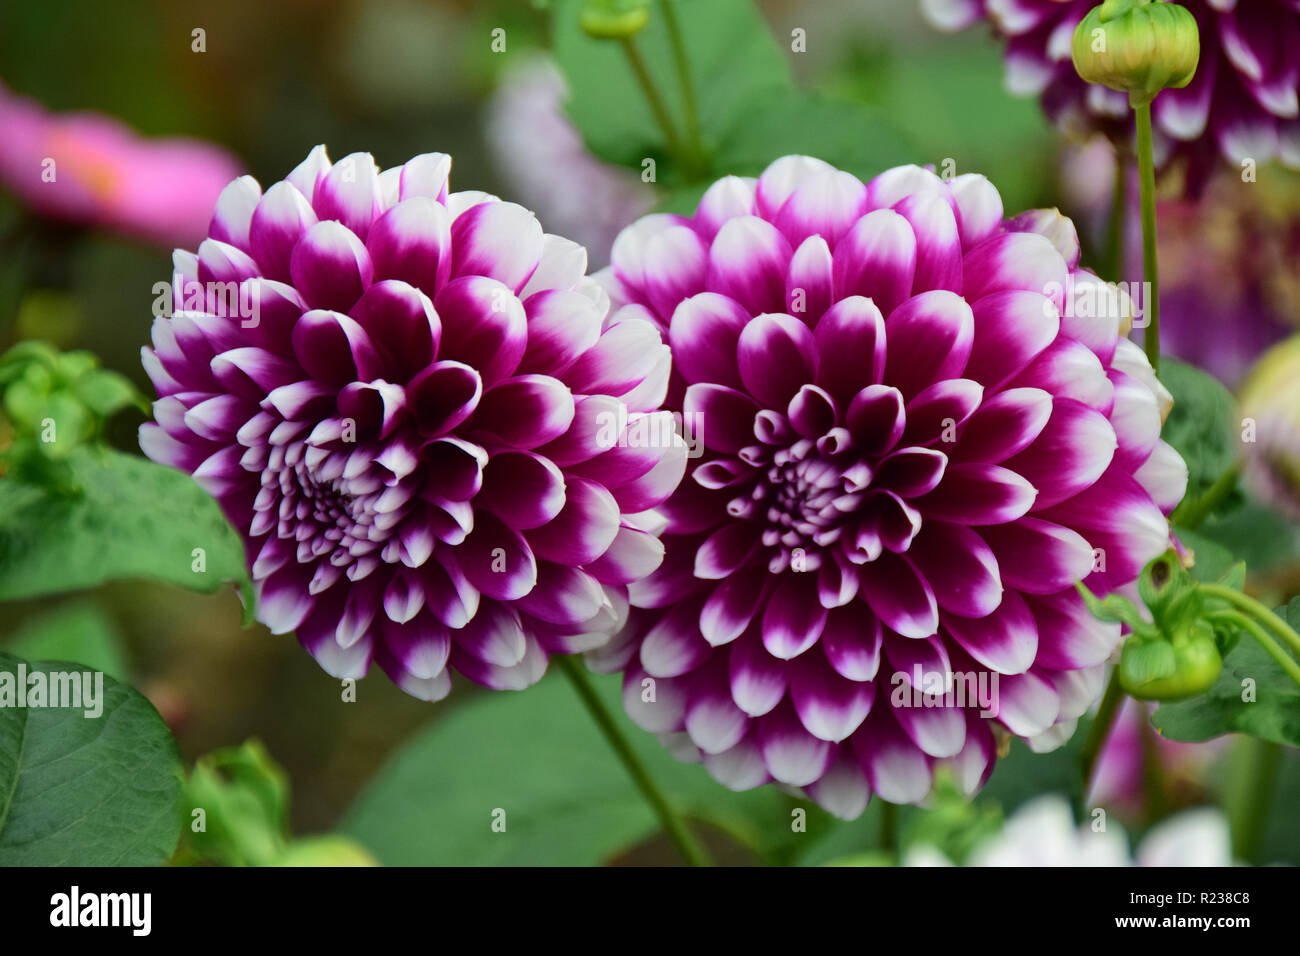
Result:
[
  {"x": 1043, "y": 833},
  {"x": 540, "y": 154}
]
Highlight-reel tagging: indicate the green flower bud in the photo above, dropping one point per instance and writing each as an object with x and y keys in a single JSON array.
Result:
[
  {"x": 1137, "y": 46},
  {"x": 614, "y": 19},
  {"x": 1185, "y": 666}
]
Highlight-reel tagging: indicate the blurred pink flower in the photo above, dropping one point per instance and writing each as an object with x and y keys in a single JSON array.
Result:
[
  {"x": 1120, "y": 781},
  {"x": 89, "y": 169}
]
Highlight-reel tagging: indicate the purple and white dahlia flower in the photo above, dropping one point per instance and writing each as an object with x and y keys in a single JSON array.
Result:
[
  {"x": 395, "y": 392},
  {"x": 915, "y": 425},
  {"x": 1243, "y": 102}
]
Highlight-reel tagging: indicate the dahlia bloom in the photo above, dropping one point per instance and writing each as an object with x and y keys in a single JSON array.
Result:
[
  {"x": 915, "y": 425},
  {"x": 419, "y": 432},
  {"x": 1242, "y": 102},
  {"x": 90, "y": 170},
  {"x": 1043, "y": 833}
]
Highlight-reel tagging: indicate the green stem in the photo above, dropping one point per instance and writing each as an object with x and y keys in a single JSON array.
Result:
[
  {"x": 689, "y": 847},
  {"x": 889, "y": 829},
  {"x": 1258, "y": 633},
  {"x": 1252, "y": 778},
  {"x": 1153, "y": 777},
  {"x": 1150, "y": 270},
  {"x": 656, "y": 102},
  {"x": 1100, "y": 729},
  {"x": 1191, "y": 515},
  {"x": 1118, "y": 219},
  {"x": 694, "y": 143},
  {"x": 1253, "y": 608}
]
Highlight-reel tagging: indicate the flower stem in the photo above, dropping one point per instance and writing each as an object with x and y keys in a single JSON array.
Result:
[
  {"x": 1258, "y": 633},
  {"x": 889, "y": 829},
  {"x": 1118, "y": 227},
  {"x": 687, "y": 845},
  {"x": 1252, "y": 778},
  {"x": 671, "y": 139},
  {"x": 1253, "y": 608},
  {"x": 1191, "y": 515},
  {"x": 1100, "y": 730},
  {"x": 694, "y": 144},
  {"x": 1150, "y": 270}
]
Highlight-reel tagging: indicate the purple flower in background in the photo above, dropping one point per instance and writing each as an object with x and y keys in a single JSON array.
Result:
[
  {"x": 90, "y": 170},
  {"x": 917, "y": 425},
  {"x": 1121, "y": 775},
  {"x": 1227, "y": 288},
  {"x": 415, "y": 417},
  {"x": 1242, "y": 103},
  {"x": 541, "y": 154}
]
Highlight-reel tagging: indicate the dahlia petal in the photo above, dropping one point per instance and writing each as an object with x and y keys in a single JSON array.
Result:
[
  {"x": 930, "y": 339},
  {"x": 732, "y": 606},
  {"x": 794, "y": 617},
  {"x": 1004, "y": 424},
  {"x": 522, "y": 489},
  {"x": 704, "y": 334},
  {"x": 777, "y": 354},
  {"x": 281, "y": 218},
  {"x": 234, "y": 212},
  {"x": 1005, "y": 641},
  {"x": 425, "y": 175},
  {"x": 674, "y": 646},
  {"x": 979, "y": 494},
  {"x": 876, "y": 417},
  {"x": 1074, "y": 449},
  {"x": 412, "y": 242},
  {"x": 500, "y": 240},
  {"x": 1039, "y": 557},
  {"x": 483, "y": 325},
  {"x": 1163, "y": 476},
  {"x": 748, "y": 261},
  {"x": 895, "y": 768},
  {"x": 330, "y": 266},
  {"x": 829, "y": 706},
  {"x": 1011, "y": 329},
  {"x": 850, "y": 339},
  {"x": 712, "y": 719},
  {"x": 421, "y": 645},
  {"x": 959, "y": 567},
  {"x": 1069, "y": 635},
  {"x": 349, "y": 192},
  {"x": 729, "y": 198},
  {"x": 625, "y": 354},
  {"x": 562, "y": 325},
  {"x": 938, "y": 242},
  {"x": 564, "y": 596},
  {"x": 842, "y": 790},
  {"x": 1069, "y": 369},
  {"x": 283, "y": 601},
  {"x": 758, "y": 680},
  {"x": 726, "y": 551},
  {"x": 562, "y": 268},
  {"x": 792, "y": 755},
  {"x": 851, "y": 639},
  {"x": 727, "y": 416},
  {"x": 655, "y": 704},
  {"x": 938, "y": 731},
  {"x": 1027, "y": 705},
  {"x": 497, "y": 560},
  {"x": 444, "y": 395},
  {"x": 877, "y": 259},
  {"x": 676, "y": 263},
  {"x": 632, "y": 556},
  {"x": 935, "y": 413},
  {"x": 583, "y": 530},
  {"x": 526, "y": 412},
  {"x": 1016, "y": 260},
  {"x": 526, "y": 673},
  {"x": 809, "y": 285},
  {"x": 979, "y": 206},
  {"x": 899, "y": 596}
]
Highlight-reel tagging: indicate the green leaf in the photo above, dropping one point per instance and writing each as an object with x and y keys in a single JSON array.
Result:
[
  {"x": 1202, "y": 426},
  {"x": 129, "y": 518},
  {"x": 85, "y": 791},
  {"x": 732, "y": 57},
  {"x": 537, "y": 756},
  {"x": 77, "y": 631},
  {"x": 1273, "y": 713},
  {"x": 849, "y": 135}
]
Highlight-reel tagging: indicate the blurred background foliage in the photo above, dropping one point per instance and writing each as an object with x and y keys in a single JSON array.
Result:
[{"x": 398, "y": 78}]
